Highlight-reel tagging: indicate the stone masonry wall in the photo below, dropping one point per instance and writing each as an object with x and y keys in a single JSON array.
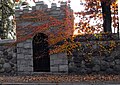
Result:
[
  {"x": 59, "y": 63},
  {"x": 8, "y": 61},
  {"x": 25, "y": 56},
  {"x": 91, "y": 57},
  {"x": 96, "y": 57}
]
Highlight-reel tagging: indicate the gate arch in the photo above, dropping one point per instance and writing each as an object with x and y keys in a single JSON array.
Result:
[{"x": 41, "y": 58}]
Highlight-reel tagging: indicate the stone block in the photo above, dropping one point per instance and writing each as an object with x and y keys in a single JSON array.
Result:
[
  {"x": 28, "y": 51},
  {"x": 117, "y": 61},
  {"x": 2, "y": 60},
  {"x": 29, "y": 40},
  {"x": 33, "y": 8},
  {"x": 7, "y": 67},
  {"x": 57, "y": 62},
  {"x": 14, "y": 55},
  {"x": 58, "y": 9},
  {"x": 31, "y": 51},
  {"x": 96, "y": 68},
  {"x": 53, "y": 57},
  {"x": 27, "y": 45},
  {"x": 115, "y": 53},
  {"x": 54, "y": 69},
  {"x": 25, "y": 51},
  {"x": 8, "y": 58},
  {"x": 21, "y": 68},
  {"x": 19, "y": 50},
  {"x": 28, "y": 69},
  {"x": 24, "y": 63},
  {"x": 26, "y": 10},
  {"x": 64, "y": 61},
  {"x": 37, "y": 7},
  {"x": 28, "y": 57},
  {"x": 18, "y": 63},
  {"x": 20, "y": 56},
  {"x": 109, "y": 71},
  {"x": 117, "y": 68},
  {"x": 51, "y": 62},
  {"x": 20, "y": 45},
  {"x": 62, "y": 55},
  {"x": 96, "y": 60},
  {"x": 63, "y": 68},
  {"x": 29, "y": 63},
  {"x": 55, "y": 12},
  {"x": 112, "y": 64},
  {"x": 39, "y": 3},
  {"x": 2, "y": 70}
]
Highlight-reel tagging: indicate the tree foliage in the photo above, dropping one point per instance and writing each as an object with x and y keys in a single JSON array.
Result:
[
  {"x": 6, "y": 11},
  {"x": 101, "y": 11}
]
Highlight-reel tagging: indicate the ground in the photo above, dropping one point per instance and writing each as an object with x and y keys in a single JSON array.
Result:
[{"x": 51, "y": 79}]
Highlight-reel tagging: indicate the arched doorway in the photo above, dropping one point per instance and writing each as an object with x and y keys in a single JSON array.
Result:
[{"x": 41, "y": 59}]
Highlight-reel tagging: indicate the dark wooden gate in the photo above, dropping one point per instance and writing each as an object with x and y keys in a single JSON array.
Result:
[{"x": 41, "y": 59}]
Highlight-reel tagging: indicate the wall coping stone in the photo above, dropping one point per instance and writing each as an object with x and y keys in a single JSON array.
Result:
[{"x": 7, "y": 41}]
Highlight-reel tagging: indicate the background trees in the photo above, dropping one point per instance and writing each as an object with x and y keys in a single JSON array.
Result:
[
  {"x": 6, "y": 18},
  {"x": 102, "y": 13}
]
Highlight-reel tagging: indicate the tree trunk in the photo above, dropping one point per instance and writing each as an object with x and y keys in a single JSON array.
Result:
[{"x": 107, "y": 20}]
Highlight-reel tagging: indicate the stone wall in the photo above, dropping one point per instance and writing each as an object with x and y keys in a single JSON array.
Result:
[
  {"x": 59, "y": 63},
  {"x": 96, "y": 57},
  {"x": 90, "y": 57},
  {"x": 8, "y": 61},
  {"x": 25, "y": 56}
]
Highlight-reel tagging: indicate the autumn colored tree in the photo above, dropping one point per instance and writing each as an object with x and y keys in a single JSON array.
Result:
[
  {"x": 90, "y": 17},
  {"x": 98, "y": 10}
]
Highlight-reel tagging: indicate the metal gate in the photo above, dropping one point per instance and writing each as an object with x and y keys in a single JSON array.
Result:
[{"x": 41, "y": 59}]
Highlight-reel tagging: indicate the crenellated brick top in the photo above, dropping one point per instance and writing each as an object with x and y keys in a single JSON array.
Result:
[{"x": 43, "y": 7}]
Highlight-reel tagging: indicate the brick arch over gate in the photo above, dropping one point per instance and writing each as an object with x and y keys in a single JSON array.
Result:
[{"x": 41, "y": 58}]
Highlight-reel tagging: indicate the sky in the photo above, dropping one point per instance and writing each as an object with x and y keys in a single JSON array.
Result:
[{"x": 75, "y": 4}]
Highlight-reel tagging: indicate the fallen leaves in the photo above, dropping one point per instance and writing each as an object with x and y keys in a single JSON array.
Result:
[{"x": 59, "y": 78}]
